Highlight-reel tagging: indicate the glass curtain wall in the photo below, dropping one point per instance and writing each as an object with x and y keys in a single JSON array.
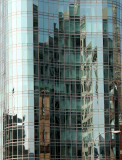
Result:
[
  {"x": 78, "y": 65},
  {"x": 2, "y": 74},
  {"x": 62, "y": 79},
  {"x": 18, "y": 113}
]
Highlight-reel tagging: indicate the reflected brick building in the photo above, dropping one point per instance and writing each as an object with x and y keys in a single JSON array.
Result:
[{"x": 44, "y": 125}]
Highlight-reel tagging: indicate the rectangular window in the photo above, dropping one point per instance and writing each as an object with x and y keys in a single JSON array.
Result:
[
  {"x": 43, "y": 107},
  {"x": 43, "y": 135}
]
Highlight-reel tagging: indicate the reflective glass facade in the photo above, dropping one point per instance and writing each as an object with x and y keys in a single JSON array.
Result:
[{"x": 60, "y": 79}]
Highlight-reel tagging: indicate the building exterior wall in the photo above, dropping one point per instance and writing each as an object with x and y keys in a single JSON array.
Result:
[
  {"x": 17, "y": 39},
  {"x": 44, "y": 126},
  {"x": 60, "y": 79}
]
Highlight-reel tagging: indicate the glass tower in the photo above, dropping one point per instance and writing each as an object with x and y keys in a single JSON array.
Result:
[{"x": 60, "y": 79}]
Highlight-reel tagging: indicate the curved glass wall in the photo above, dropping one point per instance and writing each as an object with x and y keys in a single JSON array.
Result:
[
  {"x": 18, "y": 115},
  {"x": 62, "y": 79}
]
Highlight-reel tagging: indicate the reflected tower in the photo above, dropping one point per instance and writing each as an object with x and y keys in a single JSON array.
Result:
[{"x": 60, "y": 79}]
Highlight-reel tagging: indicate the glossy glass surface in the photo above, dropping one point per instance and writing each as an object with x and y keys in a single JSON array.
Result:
[{"x": 61, "y": 73}]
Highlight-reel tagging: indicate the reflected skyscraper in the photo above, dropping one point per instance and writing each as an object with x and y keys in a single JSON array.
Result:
[{"x": 60, "y": 79}]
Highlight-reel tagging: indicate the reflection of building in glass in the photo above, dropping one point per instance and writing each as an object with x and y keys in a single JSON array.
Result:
[
  {"x": 62, "y": 91},
  {"x": 14, "y": 137},
  {"x": 61, "y": 71},
  {"x": 88, "y": 68},
  {"x": 44, "y": 125},
  {"x": 120, "y": 123}
]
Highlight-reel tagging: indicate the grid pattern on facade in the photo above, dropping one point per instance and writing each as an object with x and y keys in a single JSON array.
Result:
[{"x": 62, "y": 79}]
